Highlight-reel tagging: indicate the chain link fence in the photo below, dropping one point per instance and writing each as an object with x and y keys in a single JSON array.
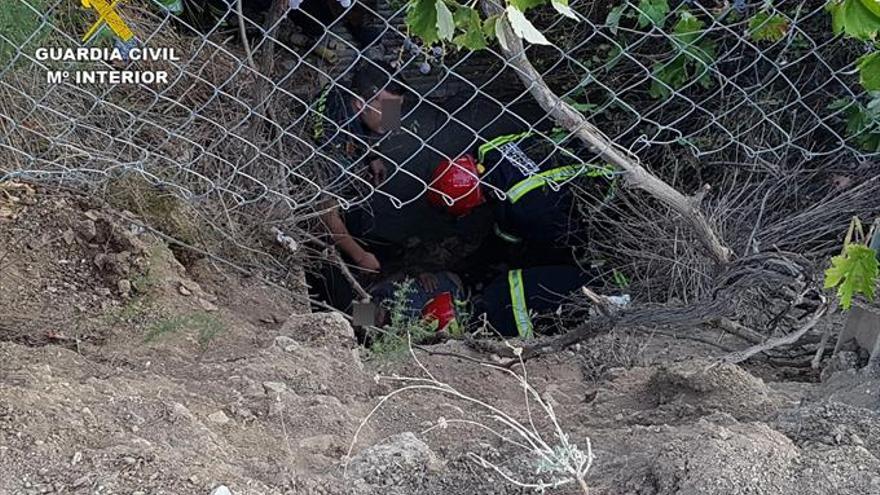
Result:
[{"x": 697, "y": 90}]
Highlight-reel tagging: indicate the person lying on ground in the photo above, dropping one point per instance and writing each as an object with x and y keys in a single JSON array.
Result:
[{"x": 432, "y": 297}]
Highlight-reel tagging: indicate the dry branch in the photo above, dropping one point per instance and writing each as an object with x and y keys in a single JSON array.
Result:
[
  {"x": 573, "y": 121},
  {"x": 740, "y": 356},
  {"x": 787, "y": 273}
]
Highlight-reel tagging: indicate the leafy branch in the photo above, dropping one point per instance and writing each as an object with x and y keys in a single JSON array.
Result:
[{"x": 855, "y": 270}]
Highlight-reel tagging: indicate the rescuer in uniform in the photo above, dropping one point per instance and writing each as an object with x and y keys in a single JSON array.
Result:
[
  {"x": 529, "y": 182},
  {"x": 350, "y": 124}
]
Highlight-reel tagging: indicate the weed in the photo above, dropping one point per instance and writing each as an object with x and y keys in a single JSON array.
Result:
[
  {"x": 19, "y": 21},
  {"x": 208, "y": 331},
  {"x": 205, "y": 324},
  {"x": 616, "y": 349},
  {"x": 404, "y": 323}
]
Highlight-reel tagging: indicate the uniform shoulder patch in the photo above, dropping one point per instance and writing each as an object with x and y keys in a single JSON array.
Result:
[{"x": 517, "y": 157}]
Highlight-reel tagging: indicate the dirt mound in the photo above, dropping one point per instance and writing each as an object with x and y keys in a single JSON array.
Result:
[
  {"x": 679, "y": 392},
  {"x": 62, "y": 260},
  {"x": 707, "y": 388}
]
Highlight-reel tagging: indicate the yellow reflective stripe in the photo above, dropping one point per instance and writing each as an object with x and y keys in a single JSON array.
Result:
[
  {"x": 321, "y": 105},
  {"x": 518, "y": 304},
  {"x": 500, "y": 140},
  {"x": 505, "y": 236},
  {"x": 559, "y": 174}
]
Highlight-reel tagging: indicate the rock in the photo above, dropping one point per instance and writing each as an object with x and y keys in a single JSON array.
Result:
[
  {"x": 181, "y": 412},
  {"x": 76, "y": 458},
  {"x": 286, "y": 343},
  {"x": 103, "y": 292},
  {"x": 124, "y": 286},
  {"x": 320, "y": 329},
  {"x": 86, "y": 229},
  {"x": 274, "y": 387},
  {"x": 221, "y": 490},
  {"x": 68, "y": 236},
  {"x": 402, "y": 455},
  {"x": 207, "y": 305},
  {"x": 219, "y": 418},
  {"x": 184, "y": 291},
  {"x": 101, "y": 260}
]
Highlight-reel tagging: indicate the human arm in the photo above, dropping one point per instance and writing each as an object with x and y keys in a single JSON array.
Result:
[{"x": 346, "y": 243}]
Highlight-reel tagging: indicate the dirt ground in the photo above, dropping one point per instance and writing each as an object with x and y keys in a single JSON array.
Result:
[{"x": 122, "y": 372}]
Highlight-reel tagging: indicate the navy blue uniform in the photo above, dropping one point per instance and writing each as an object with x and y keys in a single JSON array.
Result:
[
  {"x": 535, "y": 175},
  {"x": 509, "y": 299}
]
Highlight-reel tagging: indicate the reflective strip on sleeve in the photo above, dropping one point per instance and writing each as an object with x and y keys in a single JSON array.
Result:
[
  {"x": 556, "y": 175},
  {"x": 518, "y": 303},
  {"x": 320, "y": 107},
  {"x": 495, "y": 143},
  {"x": 504, "y": 236}
]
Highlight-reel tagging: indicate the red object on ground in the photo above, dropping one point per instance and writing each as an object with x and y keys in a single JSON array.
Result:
[
  {"x": 460, "y": 181},
  {"x": 441, "y": 308}
]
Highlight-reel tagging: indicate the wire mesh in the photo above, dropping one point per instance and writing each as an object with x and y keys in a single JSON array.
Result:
[{"x": 232, "y": 130}]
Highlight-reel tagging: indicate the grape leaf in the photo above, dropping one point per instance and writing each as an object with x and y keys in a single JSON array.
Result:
[
  {"x": 562, "y": 7},
  {"x": 523, "y": 28},
  {"x": 653, "y": 12},
  {"x": 764, "y": 26},
  {"x": 672, "y": 74},
  {"x": 421, "y": 18},
  {"x": 857, "y": 18},
  {"x": 688, "y": 28},
  {"x": 489, "y": 27},
  {"x": 525, "y": 5},
  {"x": 613, "y": 19},
  {"x": 468, "y": 21},
  {"x": 445, "y": 24},
  {"x": 854, "y": 271},
  {"x": 869, "y": 71}
]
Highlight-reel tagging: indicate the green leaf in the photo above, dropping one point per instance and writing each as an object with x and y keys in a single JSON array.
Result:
[
  {"x": 445, "y": 24},
  {"x": 673, "y": 74},
  {"x": 764, "y": 26},
  {"x": 523, "y": 28},
  {"x": 688, "y": 28},
  {"x": 489, "y": 27},
  {"x": 869, "y": 71},
  {"x": 421, "y": 18},
  {"x": 562, "y": 7},
  {"x": 857, "y": 18},
  {"x": 468, "y": 21},
  {"x": 853, "y": 272},
  {"x": 653, "y": 12},
  {"x": 613, "y": 19},
  {"x": 173, "y": 6},
  {"x": 525, "y": 5},
  {"x": 580, "y": 107}
]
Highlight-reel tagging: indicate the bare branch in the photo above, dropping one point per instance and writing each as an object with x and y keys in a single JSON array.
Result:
[{"x": 572, "y": 120}]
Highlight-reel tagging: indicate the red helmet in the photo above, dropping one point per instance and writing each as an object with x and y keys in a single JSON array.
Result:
[
  {"x": 441, "y": 308},
  {"x": 460, "y": 181}
]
